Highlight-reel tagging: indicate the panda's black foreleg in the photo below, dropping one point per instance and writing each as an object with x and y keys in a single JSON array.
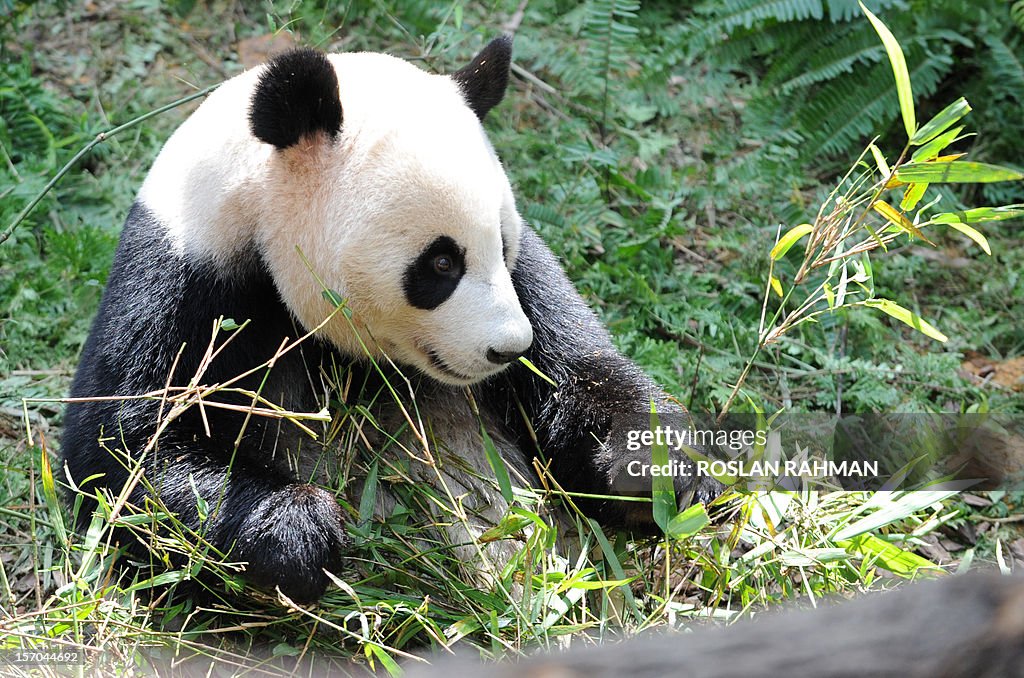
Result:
[
  {"x": 580, "y": 425},
  {"x": 286, "y": 532}
]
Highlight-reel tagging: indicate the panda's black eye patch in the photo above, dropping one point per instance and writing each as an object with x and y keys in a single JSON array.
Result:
[{"x": 433, "y": 276}]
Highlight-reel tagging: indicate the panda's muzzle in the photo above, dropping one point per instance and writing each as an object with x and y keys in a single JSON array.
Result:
[
  {"x": 440, "y": 365},
  {"x": 503, "y": 357}
]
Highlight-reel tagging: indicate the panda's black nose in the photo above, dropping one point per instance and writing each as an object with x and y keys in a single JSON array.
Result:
[{"x": 502, "y": 357}]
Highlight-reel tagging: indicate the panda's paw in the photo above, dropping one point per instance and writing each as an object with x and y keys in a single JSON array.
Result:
[
  {"x": 696, "y": 489},
  {"x": 633, "y": 476},
  {"x": 289, "y": 539}
]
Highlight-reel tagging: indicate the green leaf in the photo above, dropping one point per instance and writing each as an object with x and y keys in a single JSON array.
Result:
[
  {"x": 583, "y": 581},
  {"x": 894, "y": 508},
  {"x": 899, "y": 70},
  {"x": 497, "y": 465},
  {"x": 368, "y": 500},
  {"x": 891, "y": 557},
  {"x": 228, "y": 324},
  {"x": 162, "y": 579},
  {"x": 869, "y": 275},
  {"x": 616, "y": 567},
  {"x": 202, "y": 506},
  {"x": 390, "y": 665},
  {"x": 906, "y": 316},
  {"x": 688, "y": 523},
  {"x": 979, "y": 215},
  {"x": 973, "y": 234},
  {"x": 912, "y": 196},
  {"x": 663, "y": 490},
  {"x": 932, "y": 149},
  {"x": 809, "y": 557},
  {"x": 333, "y": 297},
  {"x": 883, "y": 166},
  {"x": 533, "y": 368},
  {"x": 956, "y": 172},
  {"x": 789, "y": 239},
  {"x": 941, "y": 122},
  {"x": 50, "y": 496},
  {"x": 510, "y": 523}
]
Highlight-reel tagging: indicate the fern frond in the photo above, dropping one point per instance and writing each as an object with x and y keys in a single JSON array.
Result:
[
  {"x": 846, "y": 10},
  {"x": 742, "y": 44},
  {"x": 813, "y": 63},
  {"x": 608, "y": 33},
  {"x": 1017, "y": 14},
  {"x": 1007, "y": 66},
  {"x": 734, "y": 14},
  {"x": 726, "y": 18},
  {"x": 608, "y": 36},
  {"x": 845, "y": 112}
]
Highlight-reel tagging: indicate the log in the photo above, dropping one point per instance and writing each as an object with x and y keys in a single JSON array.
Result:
[{"x": 970, "y": 626}]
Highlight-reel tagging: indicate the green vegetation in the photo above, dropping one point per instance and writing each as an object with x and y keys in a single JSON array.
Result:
[{"x": 669, "y": 156}]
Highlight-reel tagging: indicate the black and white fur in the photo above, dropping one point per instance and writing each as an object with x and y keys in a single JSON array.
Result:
[{"x": 380, "y": 176}]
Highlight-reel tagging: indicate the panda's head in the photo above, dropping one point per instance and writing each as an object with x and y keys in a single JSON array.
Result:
[{"x": 381, "y": 176}]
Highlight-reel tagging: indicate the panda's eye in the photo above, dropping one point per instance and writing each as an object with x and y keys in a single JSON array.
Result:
[
  {"x": 443, "y": 264},
  {"x": 435, "y": 273}
]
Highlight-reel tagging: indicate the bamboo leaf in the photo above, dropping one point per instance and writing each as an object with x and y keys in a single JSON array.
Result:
[
  {"x": 955, "y": 173},
  {"x": 790, "y": 238},
  {"x": 912, "y": 196},
  {"x": 899, "y": 70},
  {"x": 932, "y": 149},
  {"x": 883, "y": 166},
  {"x": 663, "y": 491},
  {"x": 688, "y": 523},
  {"x": 510, "y": 523},
  {"x": 895, "y": 217},
  {"x": 368, "y": 500},
  {"x": 616, "y": 567},
  {"x": 865, "y": 262},
  {"x": 777, "y": 286},
  {"x": 980, "y": 215},
  {"x": 972, "y": 233},
  {"x": 497, "y": 465},
  {"x": 889, "y": 556},
  {"x": 373, "y": 650},
  {"x": 941, "y": 122},
  {"x": 536, "y": 370},
  {"x": 50, "y": 495},
  {"x": 906, "y": 316},
  {"x": 892, "y": 511}
]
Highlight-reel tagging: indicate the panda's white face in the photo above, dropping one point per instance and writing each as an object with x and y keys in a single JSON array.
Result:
[
  {"x": 379, "y": 175},
  {"x": 408, "y": 215}
]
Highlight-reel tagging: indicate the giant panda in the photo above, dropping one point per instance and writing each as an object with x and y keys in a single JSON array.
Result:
[{"x": 364, "y": 176}]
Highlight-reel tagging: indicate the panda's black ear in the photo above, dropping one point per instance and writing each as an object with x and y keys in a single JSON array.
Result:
[
  {"x": 297, "y": 95},
  {"x": 484, "y": 80}
]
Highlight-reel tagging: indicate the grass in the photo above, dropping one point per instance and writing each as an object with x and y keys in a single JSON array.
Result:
[{"x": 636, "y": 167}]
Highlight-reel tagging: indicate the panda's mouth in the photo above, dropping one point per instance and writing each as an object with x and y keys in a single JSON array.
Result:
[{"x": 440, "y": 365}]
